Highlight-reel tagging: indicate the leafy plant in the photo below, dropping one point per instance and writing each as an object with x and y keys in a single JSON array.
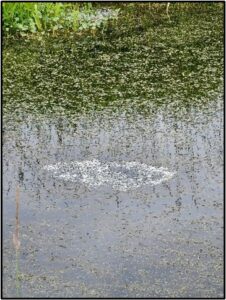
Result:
[{"x": 23, "y": 17}]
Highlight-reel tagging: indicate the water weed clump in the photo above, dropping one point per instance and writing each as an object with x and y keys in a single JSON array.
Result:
[{"x": 24, "y": 18}]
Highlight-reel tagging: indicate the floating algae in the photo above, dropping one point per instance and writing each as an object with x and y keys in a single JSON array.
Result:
[{"x": 121, "y": 176}]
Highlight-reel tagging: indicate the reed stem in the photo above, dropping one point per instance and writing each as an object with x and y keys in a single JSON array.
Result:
[{"x": 16, "y": 242}]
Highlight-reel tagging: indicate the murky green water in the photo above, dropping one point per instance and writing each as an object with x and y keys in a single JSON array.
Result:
[{"x": 150, "y": 93}]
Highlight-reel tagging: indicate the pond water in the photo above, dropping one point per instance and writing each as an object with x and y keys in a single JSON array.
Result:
[{"x": 116, "y": 144}]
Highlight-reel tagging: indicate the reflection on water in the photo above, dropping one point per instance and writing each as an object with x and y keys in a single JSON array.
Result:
[{"x": 151, "y": 97}]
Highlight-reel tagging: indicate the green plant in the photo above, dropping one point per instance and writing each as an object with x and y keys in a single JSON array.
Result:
[
  {"x": 32, "y": 17},
  {"x": 23, "y": 17}
]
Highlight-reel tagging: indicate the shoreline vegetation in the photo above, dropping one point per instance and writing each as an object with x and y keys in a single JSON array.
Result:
[{"x": 51, "y": 18}]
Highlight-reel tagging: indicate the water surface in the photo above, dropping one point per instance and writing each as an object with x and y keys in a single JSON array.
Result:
[{"x": 152, "y": 97}]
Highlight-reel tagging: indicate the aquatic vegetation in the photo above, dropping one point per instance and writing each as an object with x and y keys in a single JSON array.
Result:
[{"x": 140, "y": 65}]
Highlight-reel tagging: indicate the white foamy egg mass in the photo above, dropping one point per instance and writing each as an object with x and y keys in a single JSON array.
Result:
[{"x": 122, "y": 176}]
